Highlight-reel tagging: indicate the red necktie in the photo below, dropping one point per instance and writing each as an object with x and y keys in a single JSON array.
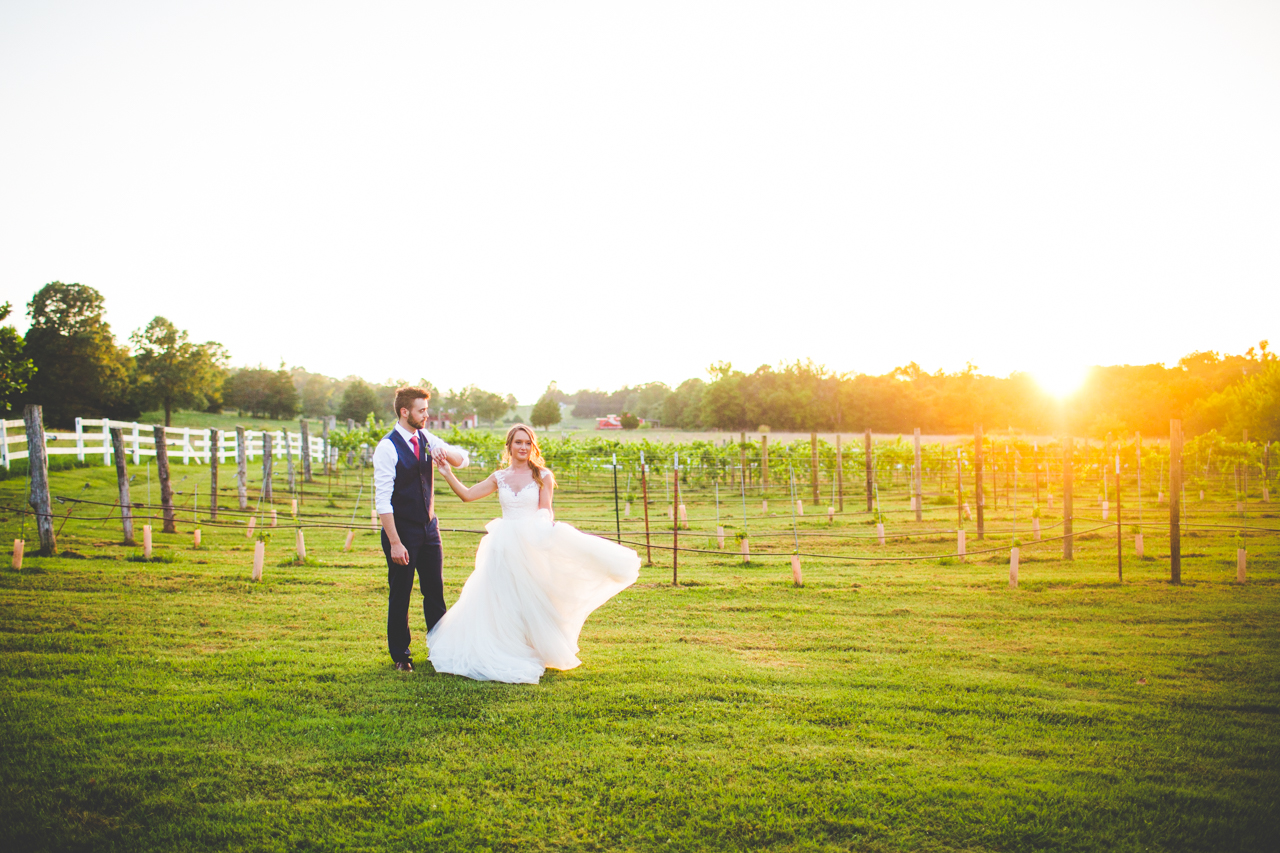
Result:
[{"x": 414, "y": 441}]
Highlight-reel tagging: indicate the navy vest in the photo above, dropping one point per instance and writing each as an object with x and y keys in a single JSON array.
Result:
[{"x": 413, "y": 492}]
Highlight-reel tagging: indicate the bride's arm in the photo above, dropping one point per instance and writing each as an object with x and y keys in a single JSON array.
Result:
[
  {"x": 545, "y": 495},
  {"x": 482, "y": 489}
]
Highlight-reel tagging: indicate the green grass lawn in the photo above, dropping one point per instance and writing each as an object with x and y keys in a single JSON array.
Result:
[{"x": 883, "y": 706}]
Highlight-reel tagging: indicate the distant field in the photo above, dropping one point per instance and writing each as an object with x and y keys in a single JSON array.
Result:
[{"x": 883, "y": 706}]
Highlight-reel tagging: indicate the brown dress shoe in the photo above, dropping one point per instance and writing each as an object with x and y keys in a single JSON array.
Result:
[{"x": 404, "y": 666}]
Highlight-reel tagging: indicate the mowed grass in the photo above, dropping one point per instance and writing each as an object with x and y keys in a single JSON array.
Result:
[{"x": 884, "y": 706}]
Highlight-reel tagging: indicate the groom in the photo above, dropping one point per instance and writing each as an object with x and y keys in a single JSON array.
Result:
[{"x": 405, "y": 497}]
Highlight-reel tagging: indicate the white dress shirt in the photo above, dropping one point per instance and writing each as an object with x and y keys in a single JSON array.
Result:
[{"x": 384, "y": 463}]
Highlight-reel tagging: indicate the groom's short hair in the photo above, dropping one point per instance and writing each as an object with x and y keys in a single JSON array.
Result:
[{"x": 407, "y": 394}]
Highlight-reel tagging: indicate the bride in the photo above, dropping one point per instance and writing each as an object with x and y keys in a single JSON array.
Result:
[{"x": 535, "y": 582}]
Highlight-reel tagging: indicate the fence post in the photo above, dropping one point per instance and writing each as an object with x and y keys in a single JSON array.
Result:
[
  {"x": 813, "y": 466},
  {"x": 764, "y": 465},
  {"x": 38, "y": 471},
  {"x": 186, "y": 445},
  {"x": 107, "y": 444},
  {"x": 1068, "y": 505},
  {"x": 4, "y": 445},
  {"x": 1175, "y": 501},
  {"x": 979, "y": 499},
  {"x": 919, "y": 476},
  {"x": 79, "y": 440},
  {"x": 866, "y": 453},
  {"x": 215, "y": 439},
  {"x": 137, "y": 445},
  {"x": 675, "y": 522},
  {"x": 122, "y": 480},
  {"x": 166, "y": 488},
  {"x": 839, "y": 474},
  {"x": 644, "y": 488},
  {"x": 266, "y": 466},
  {"x": 306, "y": 450},
  {"x": 324, "y": 442},
  {"x": 288, "y": 450},
  {"x": 242, "y": 475}
]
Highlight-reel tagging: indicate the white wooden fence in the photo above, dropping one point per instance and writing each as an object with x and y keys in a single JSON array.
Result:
[{"x": 92, "y": 437}]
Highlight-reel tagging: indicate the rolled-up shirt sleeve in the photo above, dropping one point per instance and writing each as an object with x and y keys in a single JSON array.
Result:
[
  {"x": 433, "y": 443},
  {"x": 384, "y": 475}
]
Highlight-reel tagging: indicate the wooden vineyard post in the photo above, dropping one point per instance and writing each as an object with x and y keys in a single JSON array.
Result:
[
  {"x": 38, "y": 471},
  {"x": 1137, "y": 539},
  {"x": 675, "y": 523},
  {"x": 916, "y": 484},
  {"x": 839, "y": 475},
  {"x": 977, "y": 479},
  {"x": 122, "y": 480},
  {"x": 242, "y": 474},
  {"x": 959, "y": 492},
  {"x": 215, "y": 439},
  {"x": 867, "y": 459},
  {"x": 764, "y": 467},
  {"x": 1068, "y": 448},
  {"x": 324, "y": 442},
  {"x": 288, "y": 453},
  {"x": 267, "y": 458},
  {"x": 1119, "y": 527},
  {"x": 166, "y": 487},
  {"x": 1175, "y": 501},
  {"x": 813, "y": 466},
  {"x": 306, "y": 450},
  {"x": 644, "y": 489}
]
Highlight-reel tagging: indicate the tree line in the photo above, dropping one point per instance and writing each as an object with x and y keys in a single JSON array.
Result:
[
  {"x": 70, "y": 362},
  {"x": 1205, "y": 389}
]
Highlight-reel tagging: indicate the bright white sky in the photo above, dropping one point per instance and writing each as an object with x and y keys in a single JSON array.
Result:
[{"x": 611, "y": 193}]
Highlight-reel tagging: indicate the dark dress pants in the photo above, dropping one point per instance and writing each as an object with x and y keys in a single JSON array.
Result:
[{"x": 427, "y": 559}]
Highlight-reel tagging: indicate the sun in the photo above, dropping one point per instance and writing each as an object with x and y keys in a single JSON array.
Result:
[{"x": 1061, "y": 380}]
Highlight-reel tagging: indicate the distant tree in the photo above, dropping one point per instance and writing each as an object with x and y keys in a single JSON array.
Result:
[
  {"x": 683, "y": 407},
  {"x": 546, "y": 412},
  {"x": 359, "y": 400},
  {"x": 80, "y": 370},
  {"x": 553, "y": 391},
  {"x": 172, "y": 371},
  {"x": 629, "y": 421},
  {"x": 262, "y": 392},
  {"x": 489, "y": 406},
  {"x": 315, "y": 392},
  {"x": 15, "y": 370}
]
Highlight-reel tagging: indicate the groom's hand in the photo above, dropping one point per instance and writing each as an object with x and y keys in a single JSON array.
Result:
[
  {"x": 441, "y": 458},
  {"x": 399, "y": 554}
]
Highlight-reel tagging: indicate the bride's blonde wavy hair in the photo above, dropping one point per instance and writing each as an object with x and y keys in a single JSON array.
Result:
[{"x": 536, "y": 462}]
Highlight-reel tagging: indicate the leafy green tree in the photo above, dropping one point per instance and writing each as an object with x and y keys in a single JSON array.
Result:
[
  {"x": 546, "y": 412},
  {"x": 80, "y": 370},
  {"x": 15, "y": 370},
  {"x": 172, "y": 371},
  {"x": 359, "y": 400},
  {"x": 489, "y": 406},
  {"x": 629, "y": 421},
  {"x": 262, "y": 392}
]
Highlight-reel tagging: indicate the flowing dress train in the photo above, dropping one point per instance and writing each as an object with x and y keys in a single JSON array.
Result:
[{"x": 534, "y": 585}]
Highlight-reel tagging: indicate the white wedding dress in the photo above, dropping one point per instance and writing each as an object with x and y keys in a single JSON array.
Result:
[{"x": 534, "y": 585}]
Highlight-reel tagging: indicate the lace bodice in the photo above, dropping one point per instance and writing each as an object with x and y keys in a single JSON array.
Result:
[{"x": 516, "y": 504}]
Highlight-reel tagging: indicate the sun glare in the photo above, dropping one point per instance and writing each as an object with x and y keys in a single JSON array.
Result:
[{"x": 1061, "y": 380}]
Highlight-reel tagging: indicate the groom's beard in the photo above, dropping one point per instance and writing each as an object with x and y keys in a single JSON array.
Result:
[{"x": 417, "y": 424}]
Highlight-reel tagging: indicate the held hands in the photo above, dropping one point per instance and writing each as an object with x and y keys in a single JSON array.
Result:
[{"x": 442, "y": 460}]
